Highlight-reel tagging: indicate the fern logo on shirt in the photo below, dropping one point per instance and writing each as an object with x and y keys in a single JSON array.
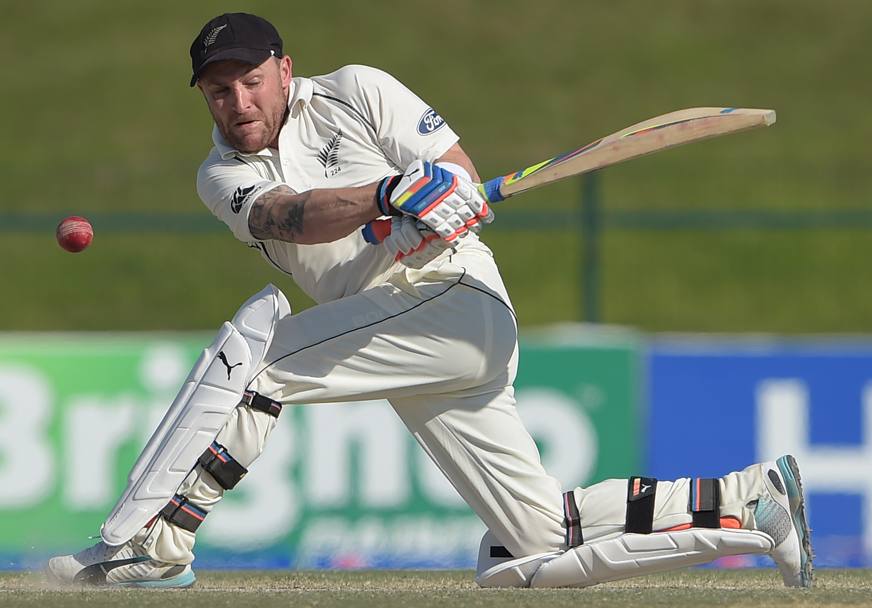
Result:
[
  {"x": 239, "y": 197},
  {"x": 329, "y": 156},
  {"x": 430, "y": 122}
]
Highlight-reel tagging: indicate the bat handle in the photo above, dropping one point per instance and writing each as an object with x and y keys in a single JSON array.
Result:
[{"x": 490, "y": 190}]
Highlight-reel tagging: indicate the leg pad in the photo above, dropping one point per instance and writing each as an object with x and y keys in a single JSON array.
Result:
[{"x": 636, "y": 555}]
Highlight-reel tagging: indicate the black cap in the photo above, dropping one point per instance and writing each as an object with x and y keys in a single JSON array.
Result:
[{"x": 241, "y": 36}]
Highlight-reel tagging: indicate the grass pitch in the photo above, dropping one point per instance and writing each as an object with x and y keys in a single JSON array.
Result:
[{"x": 419, "y": 589}]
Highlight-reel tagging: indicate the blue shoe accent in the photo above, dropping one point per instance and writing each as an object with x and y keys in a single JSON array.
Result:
[
  {"x": 789, "y": 470},
  {"x": 180, "y": 581}
]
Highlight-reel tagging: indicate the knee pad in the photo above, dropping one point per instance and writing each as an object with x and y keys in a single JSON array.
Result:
[
  {"x": 497, "y": 567},
  {"x": 185, "y": 437}
]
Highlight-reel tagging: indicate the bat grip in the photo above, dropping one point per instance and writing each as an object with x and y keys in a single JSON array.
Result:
[{"x": 491, "y": 190}]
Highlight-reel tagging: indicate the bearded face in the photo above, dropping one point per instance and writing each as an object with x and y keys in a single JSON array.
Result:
[{"x": 248, "y": 103}]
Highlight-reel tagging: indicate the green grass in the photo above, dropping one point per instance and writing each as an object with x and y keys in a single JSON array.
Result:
[
  {"x": 99, "y": 118},
  {"x": 420, "y": 589}
]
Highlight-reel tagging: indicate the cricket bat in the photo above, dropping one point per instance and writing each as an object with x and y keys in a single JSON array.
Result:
[{"x": 652, "y": 135}]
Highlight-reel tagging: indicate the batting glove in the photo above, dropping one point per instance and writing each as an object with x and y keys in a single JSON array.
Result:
[{"x": 447, "y": 203}]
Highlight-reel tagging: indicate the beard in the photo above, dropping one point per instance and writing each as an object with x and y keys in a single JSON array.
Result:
[{"x": 257, "y": 132}]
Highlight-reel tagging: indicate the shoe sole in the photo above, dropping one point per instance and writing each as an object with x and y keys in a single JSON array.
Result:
[
  {"x": 180, "y": 581},
  {"x": 789, "y": 469}
]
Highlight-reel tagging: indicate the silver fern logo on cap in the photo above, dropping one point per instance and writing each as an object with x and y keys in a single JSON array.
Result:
[{"x": 212, "y": 36}]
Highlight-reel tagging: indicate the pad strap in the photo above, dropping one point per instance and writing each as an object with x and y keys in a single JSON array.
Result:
[
  {"x": 705, "y": 502},
  {"x": 183, "y": 514},
  {"x": 264, "y": 404},
  {"x": 640, "y": 504},
  {"x": 498, "y": 551},
  {"x": 572, "y": 521},
  {"x": 222, "y": 466}
]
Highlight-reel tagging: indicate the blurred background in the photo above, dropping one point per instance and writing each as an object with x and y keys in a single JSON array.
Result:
[{"x": 686, "y": 313}]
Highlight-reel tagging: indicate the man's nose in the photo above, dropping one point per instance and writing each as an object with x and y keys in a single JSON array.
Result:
[{"x": 240, "y": 99}]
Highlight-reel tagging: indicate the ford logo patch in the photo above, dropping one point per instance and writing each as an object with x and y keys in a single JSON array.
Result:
[{"x": 430, "y": 121}]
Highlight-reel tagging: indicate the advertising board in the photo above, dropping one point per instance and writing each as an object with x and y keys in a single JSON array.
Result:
[
  {"x": 719, "y": 405},
  {"x": 338, "y": 485}
]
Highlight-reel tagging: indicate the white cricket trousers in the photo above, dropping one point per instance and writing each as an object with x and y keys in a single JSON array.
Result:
[{"x": 443, "y": 352}]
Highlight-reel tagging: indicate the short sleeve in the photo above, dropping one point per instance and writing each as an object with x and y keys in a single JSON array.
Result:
[
  {"x": 229, "y": 187},
  {"x": 406, "y": 126}
]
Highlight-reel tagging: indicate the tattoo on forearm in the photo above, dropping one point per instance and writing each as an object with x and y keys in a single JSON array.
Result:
[
  {"x": 272, "y": 218},
  {"x": 292, "y": 223}
]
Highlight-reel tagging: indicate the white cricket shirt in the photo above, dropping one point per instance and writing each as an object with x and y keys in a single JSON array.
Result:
[{"x": 349, "y": 128}]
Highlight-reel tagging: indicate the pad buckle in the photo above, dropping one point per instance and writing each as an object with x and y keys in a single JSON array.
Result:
[
  {"x": 181, "y": 512},
  {"x": 218, "y": 462},
  {"x": 264, "y": 404},
  {"x": 572, "y": 521},
  {"x": 641, "y": 492},
  {"x": 705, "y": 502}
]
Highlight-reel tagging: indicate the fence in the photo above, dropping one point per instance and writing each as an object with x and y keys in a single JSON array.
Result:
[{"x": 591, "y": 216}]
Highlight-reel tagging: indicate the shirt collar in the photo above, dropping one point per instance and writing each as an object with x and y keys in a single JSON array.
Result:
[
  {"x": 299, "y": 96},
  {"x": 301, "y": 93}
]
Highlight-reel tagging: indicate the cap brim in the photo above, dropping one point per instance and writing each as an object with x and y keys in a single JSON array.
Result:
[{"x": 250, "y": 56}]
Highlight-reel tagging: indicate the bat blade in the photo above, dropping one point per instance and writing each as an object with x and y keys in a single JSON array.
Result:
[{"x": 652, "y": 135}]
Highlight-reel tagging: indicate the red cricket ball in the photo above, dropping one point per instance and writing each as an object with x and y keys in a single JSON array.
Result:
[{"x": 74, "y": 233}]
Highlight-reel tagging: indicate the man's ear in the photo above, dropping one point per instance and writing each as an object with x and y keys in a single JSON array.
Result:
[{"x": 285, "y": 70}]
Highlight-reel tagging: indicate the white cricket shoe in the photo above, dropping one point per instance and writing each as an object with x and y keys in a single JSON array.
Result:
[
  {"x": 782, "y": 516},
  {"x": 126, "y": 565}
]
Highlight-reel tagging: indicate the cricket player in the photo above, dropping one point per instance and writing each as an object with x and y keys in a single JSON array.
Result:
[{"x": 300, "y": 169}]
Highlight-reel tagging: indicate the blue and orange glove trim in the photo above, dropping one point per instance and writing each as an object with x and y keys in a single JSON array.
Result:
[{"x": 376, "y": 231}]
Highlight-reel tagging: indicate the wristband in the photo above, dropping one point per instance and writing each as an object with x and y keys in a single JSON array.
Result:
[{"x": 383, "y": 195}]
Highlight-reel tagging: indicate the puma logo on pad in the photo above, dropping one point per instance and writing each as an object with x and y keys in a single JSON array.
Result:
[{"x": 229, "y": 367}]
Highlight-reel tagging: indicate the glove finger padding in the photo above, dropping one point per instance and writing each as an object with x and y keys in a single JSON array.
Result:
[
  {"x": 412, "y": 243},
  {"x": 404, "y": 237},
  {"x": 430, "y": 248}
]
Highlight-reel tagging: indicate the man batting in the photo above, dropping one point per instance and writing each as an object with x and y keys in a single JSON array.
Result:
[{"x": 421, "y": 319}]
